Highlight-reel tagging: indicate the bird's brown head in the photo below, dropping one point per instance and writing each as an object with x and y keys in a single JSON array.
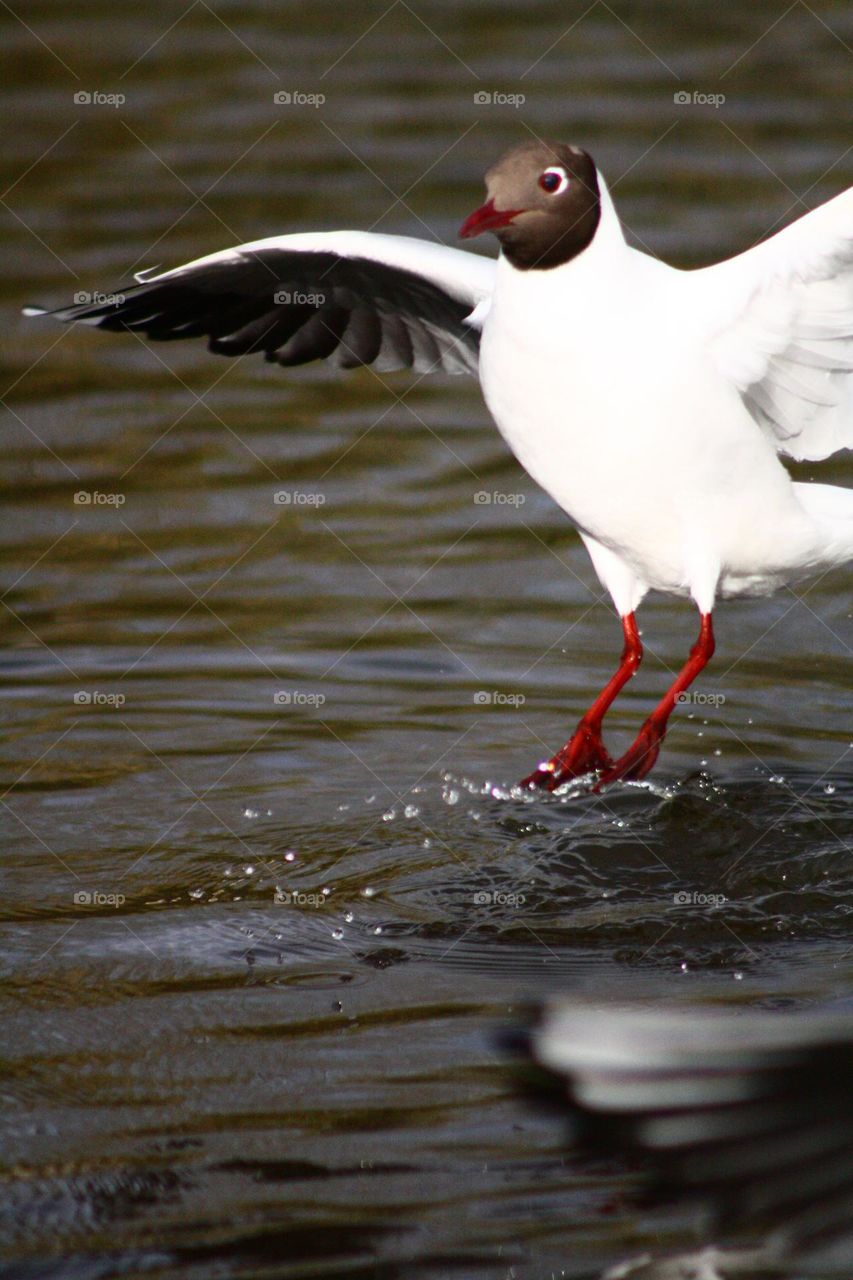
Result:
[{"x": 543, "y": 204}]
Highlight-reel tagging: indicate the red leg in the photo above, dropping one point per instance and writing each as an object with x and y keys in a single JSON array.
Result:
[
  {"x": 642, "y": 754},
  {"x": 585, "y": 752}
]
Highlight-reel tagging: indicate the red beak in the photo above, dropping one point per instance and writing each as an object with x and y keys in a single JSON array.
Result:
[{"x": 486, "y": 218}]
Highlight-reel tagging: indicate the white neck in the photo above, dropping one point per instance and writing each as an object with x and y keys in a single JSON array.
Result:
[{"x": 609, "y": 230}]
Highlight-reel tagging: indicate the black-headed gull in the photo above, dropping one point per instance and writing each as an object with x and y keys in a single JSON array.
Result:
[{"x": 651, "y": 403}]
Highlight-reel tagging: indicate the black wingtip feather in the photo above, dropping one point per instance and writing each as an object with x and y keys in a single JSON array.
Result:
[{"x": 294, "y": 307}]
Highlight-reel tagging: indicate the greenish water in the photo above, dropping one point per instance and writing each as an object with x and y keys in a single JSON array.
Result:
[{"x": 257, "y": 949}]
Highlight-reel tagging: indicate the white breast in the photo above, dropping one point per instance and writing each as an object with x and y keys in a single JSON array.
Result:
[{"x": 599, "y": 378}]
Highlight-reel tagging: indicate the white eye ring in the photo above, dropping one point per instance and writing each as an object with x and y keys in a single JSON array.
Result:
[{"x": 555, "y": 171}]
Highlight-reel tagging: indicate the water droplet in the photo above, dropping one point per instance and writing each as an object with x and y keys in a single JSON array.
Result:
[
  {"x": 251, "y": 813},
  {"x": 738, "y": 976},
  {"x": 684, "y": 968},
  {"x": 427, "y": 844},
  {"x": 389, "y": 815},
  {"x": 717, "y": 751},
  {"x": 196, "y": 893},
  {"x": 378, "y": 929},
  {"x": 452, "y": 796},
  {"x": 349, "y": 917},
  {"x": 411, "y": 811},
  {"x": 290, "y": 856},
  {"x": 829, "y": 789},
  {"x": 325, "y": 891},
  {"x": 337, "y": 934},
  {"x": 367, "y": 892},
  {"x": 249, "y": 870}
]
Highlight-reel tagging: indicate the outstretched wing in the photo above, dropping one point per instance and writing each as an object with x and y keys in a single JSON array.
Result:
[
  {"x": 780, "y": 320},
  {"x": 353, "y": 298},
  {"x": 752, "y": 1110}
]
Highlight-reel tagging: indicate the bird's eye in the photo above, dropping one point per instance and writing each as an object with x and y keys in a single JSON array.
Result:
[{"x": 554, "y": 180}]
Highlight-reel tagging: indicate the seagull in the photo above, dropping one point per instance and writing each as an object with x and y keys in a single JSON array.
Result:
[
  {"x": 654, "y": 405},
  {"x": 746, "y": 1111}
]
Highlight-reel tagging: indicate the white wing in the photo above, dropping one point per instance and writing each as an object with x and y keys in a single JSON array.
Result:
[
  {"x": 780, "y": 321},
  {"x": 353, "y": 297}
]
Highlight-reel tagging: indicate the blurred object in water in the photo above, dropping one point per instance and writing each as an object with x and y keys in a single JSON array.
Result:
[{"x": 750, "y": 1113}]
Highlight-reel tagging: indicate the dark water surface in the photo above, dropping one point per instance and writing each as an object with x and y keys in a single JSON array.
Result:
[{"x": 268, "y": 898}]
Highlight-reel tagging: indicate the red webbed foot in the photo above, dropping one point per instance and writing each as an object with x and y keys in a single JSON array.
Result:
[
  {"x": 638, "y": 760},
  {"x": 584, "y": 753}
]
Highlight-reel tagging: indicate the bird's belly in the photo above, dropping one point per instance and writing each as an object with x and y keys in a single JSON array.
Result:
[
  {"x": 662, "y": 465},
  {"x": 603, "y": 449}
]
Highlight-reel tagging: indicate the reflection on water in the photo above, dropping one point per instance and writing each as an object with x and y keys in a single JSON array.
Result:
[{"x": 270, "y": 896}]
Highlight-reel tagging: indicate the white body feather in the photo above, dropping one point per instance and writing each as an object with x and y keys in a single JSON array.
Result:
[{"x": 623, "y": 385}]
